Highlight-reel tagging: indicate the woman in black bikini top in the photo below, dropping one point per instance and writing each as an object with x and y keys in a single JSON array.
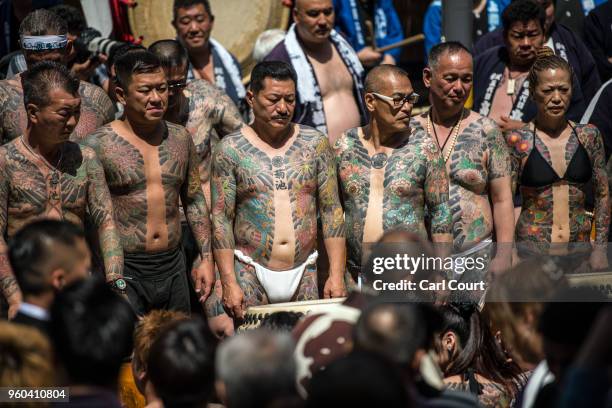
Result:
[{"x": 553, "y": 162}]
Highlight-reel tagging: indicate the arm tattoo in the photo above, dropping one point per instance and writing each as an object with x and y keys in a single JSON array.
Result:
[
  {"x": 101, "y": 210},
  {"x": 223, "y": 195},
  {"x": 591, "y": 139},
  {"x": 498, "y": 155},
  {"x": 194, "y": 203},
  {"x": 12, "y": 115},
  {"x": 8, "y": 284},
  {"x": 96, "y": 110},
  {"x": 330, "y": 209}
]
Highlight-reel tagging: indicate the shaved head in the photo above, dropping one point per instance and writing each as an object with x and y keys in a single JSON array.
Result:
[{"x": 378, "y": 77}]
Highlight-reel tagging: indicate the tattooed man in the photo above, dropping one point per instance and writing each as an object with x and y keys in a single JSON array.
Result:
[
  {"x": 209, "y": 115},
  {"x": 206, "y": 112},
  {"x": 389, "y": 173},
  {"x": 268, "y": 181},
  {"x": 476, "y": 155},
  {"x": 149, "y": 164},
  {"x": 43, "y": 37},
  {"x": 43, "y": 175}
]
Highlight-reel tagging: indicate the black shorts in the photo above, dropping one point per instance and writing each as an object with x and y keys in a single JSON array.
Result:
[{"x": 157, "y": 281}]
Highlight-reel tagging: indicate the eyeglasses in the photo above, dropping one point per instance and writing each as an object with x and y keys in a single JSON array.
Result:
[
  {"x": 175, "y": 85},
  {"x": 399, "y": 101}
]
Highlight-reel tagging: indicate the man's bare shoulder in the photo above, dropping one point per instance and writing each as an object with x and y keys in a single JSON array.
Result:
[
  {"x": 178, "y": 132},
  {"x": 99, "y": 137},
  {"x": 93, "y": 98},
  {"x": 201, "y": 87},
  {"x": 312, "y": 136},
  {"x": 346, "y": 141}
]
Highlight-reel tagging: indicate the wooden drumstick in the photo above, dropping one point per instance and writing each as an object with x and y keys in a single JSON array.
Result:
[{"x": 403, "y": 43}]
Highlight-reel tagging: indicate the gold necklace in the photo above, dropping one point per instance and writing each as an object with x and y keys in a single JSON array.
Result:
[{"x": 455, "y": 129}]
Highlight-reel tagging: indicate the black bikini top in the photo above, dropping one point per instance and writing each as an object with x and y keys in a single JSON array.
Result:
[{"x": 537, "y": 172}]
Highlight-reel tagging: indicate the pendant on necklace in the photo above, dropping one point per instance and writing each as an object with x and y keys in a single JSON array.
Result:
[
  {"x": 379, "y": 160},
  {"x": 510, "y": 86}
]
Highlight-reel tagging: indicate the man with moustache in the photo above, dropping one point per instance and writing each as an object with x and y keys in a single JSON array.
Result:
[
  {"x": 477, "y": 160},
  {"x": 329, "y": 87},
  {"x": 270, "y": 180},
  {"x": 44, "y": 175},
  {"x": 44, "y": 38},
  {"x": 208, "y": 59},
  {"x": 149, "y": 165},
  {"x": 390, "y": 173}
]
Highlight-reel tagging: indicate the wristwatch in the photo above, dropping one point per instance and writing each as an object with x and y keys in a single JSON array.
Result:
[{"x": 118, "y": 285}]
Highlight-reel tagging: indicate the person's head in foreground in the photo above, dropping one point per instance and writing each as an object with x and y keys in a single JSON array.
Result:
[
  {"x": 148, "y": 329},
  {"x": 91, "y": 332},
  {"x": 46, "y": 256},
  {"x": 470, "y": 356},
  {"x": 256, "y": 369},
  {"x": 181, "y": 364}
]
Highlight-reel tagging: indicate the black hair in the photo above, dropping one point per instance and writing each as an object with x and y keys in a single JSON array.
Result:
[
  {"x": 132, "y": 63},
  {"x": 42, "y": 78},
  {"x": 567, "y": 319},
  {"x": 393, "y": 330},
  {"x": 190, "y": 3},
  {"x": 360, "y": 379},
  {"x": 282, "y": 321},
  {"x": 181, "y": 364},
  {"x": 523, "y": 11},
  {"x": 91, "y": 331},
  {"x": 450, "y": 47},
  {"x": 279, "y": 70},
  {"x": 43, "y": 22},
  {"x": 32, "y": 248},
  {"x": 478, "y": 350},
  {"x": 74, "y": 18},
  {"x": 171, "y": 53},
  {"x": 120, "y": 50}
]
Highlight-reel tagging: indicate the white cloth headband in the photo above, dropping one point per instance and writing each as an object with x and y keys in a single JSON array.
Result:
[{"x": 43, "y": 42}]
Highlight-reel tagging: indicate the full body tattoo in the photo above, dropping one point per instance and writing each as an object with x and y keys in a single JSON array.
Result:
[
  {"x": 96, "y": 110},
  {"x": 414, "y": 180},
  {"x": 174, "y": 169},
  {"x": 31, "y": 189},
  {"x": 480, "y": 155},
  {"x": 244, "y": 182},
  {"x": 540, "y": 204}
]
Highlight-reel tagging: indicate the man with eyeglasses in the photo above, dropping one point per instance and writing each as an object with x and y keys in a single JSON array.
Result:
[
  {"x": 208, "y": 59},
  {"x": 151, "y": 167},
  {"x": 391, "y": 173},
  {"x": 329, "y": 87},
  {"x": 477, "y": 161}
]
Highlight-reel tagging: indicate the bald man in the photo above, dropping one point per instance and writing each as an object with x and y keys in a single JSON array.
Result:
[
  {"x": 476, "y": 156},
  {"x": 329, "y": 72},
  {"x": 389, "y": 171}
]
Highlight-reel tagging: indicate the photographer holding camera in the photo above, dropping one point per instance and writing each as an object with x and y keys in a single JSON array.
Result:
[{"x": 44, "y": 37}]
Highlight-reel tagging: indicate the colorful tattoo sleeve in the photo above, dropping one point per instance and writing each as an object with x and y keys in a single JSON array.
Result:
[
  {"x": 100, "y": 208},
  {"x": 194, "y": 204},
  {"x": 8, "y": 284},
  {"x": 591, "y": 139},
  {"x": 327, "y": 183},
  {"x": 499, "y": 162},
  {"x": 223, "y": 196}
]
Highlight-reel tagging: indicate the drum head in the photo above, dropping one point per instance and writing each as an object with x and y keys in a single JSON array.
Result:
[{"x": 238, "y": 23}]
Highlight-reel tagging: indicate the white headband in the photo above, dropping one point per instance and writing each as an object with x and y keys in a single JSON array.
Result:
[{"x": 43, "y": 42}]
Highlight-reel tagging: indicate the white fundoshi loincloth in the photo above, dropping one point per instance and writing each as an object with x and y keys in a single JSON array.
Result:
[{"x": 280, "y": 286}]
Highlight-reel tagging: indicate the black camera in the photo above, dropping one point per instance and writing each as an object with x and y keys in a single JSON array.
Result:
[{"x": 91, "y": 43}]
